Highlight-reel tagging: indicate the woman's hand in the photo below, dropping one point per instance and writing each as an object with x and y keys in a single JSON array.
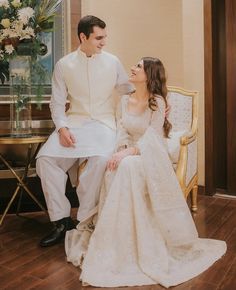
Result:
[
  {"x": 66, "y": 138},
  {"x": 116, "y": 158}
]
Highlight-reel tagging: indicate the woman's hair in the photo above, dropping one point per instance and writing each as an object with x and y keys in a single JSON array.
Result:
[
  {"x": 87, "y": 23},
  {"x": 156, "y": 85}
]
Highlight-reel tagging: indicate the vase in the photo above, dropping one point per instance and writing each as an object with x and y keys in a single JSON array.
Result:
[{"x": 20, "y": 93}]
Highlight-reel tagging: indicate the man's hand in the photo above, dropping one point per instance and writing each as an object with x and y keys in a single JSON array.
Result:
[
  {"x": 66, "y": 138},
  {"x": 167, "y": 110}
]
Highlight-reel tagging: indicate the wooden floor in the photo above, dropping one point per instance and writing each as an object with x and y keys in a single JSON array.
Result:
[{"x": 24, "y": 265}]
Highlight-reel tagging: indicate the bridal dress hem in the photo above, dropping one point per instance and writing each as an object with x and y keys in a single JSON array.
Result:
[{"x": 143, "y": 232}]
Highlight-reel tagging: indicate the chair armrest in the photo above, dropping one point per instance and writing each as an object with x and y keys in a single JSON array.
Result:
[
  {"x": 188, "y": 138},
  {"x": 187, "y": 164}
]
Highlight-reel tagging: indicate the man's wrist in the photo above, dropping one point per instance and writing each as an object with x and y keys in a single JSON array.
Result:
[{"x": 61, "y": 129}]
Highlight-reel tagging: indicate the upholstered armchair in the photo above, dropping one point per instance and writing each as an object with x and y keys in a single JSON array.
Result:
[{"x": 182, "y": 143}]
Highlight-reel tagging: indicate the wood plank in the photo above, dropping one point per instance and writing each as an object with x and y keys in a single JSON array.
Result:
[
  {"x": 64, "y": 275},
  {"x": 206, "y": 212},
  {"x": 25, "y": 282},
  {"x": 225, "y": 230},
  {"x": 216, "y": 273},
  {"x": 28, "y": 269},
  {"x": 25, "y": 264},
  {"x": 51, "y": 266},
  {"x": 195, "y": 284},
  {"x": 220, "y": 219},
  {"x": 231, "y": 241},
  {"x": 229, "y": 282}
]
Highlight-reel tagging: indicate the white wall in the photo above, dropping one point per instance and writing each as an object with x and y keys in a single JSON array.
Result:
[{"x": 193, "y": 61}]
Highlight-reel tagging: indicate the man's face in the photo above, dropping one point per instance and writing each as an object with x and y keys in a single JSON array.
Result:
[{"x": 95, "y": 42}]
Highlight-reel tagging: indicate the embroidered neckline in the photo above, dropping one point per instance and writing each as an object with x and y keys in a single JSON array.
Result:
[{"x": 130, "y": 113}]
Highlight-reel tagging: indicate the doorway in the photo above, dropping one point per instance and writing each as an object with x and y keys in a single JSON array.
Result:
[{"x": 220, "y": 96}]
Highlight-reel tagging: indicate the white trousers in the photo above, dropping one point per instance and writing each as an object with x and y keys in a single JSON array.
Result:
[{"x": 53, "y": 174}]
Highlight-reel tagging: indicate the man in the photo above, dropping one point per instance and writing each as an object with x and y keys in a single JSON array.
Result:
[{"x": 86, "y": 78}]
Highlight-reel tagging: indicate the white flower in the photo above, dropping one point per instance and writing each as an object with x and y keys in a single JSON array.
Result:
[
  {"x": 9, "y": 49},
  {"x": 4, "y": 3},
  {"x": 25, "y": 14},
  {"x": 17, "y": 27},
  {"x": 9, "y": 33},
  {"x": 27, "y": 33},
  {"x": 5, "y": 22},
  {"x": 16, "y": 3}
]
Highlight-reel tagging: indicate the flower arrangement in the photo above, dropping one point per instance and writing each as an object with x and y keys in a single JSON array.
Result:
[
  {"x": 21, "y": 24},
  {"x": 22, "y": 20}
]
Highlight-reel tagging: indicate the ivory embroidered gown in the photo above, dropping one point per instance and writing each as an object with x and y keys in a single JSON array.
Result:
[{"x": 144, "y": 233}]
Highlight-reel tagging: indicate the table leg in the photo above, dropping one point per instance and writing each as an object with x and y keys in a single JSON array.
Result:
[
  {"x": 27, "y": 166},
  {"x": 21, "y": 184}
]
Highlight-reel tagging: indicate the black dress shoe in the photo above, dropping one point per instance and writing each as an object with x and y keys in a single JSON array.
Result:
[{"x": 58, "y": 233}]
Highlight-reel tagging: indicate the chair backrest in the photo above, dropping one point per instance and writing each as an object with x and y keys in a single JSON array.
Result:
[
  {"x": 183, "y": 114},
  {"x": 183, "y": 118}
]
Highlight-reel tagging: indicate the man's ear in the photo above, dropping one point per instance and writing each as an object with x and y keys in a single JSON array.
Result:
[{"x": 82, "y": 37}]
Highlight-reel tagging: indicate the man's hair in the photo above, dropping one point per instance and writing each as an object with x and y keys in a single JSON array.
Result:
[{"x": 87, "y": 23}]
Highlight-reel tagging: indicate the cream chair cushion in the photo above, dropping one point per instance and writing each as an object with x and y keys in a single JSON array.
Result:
[
  {"x": 182, "y": 144},
  {"x": 173, "y": 143}
]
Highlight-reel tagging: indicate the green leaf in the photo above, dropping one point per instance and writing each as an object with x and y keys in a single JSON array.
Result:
[{"x": 45, "y": 12}]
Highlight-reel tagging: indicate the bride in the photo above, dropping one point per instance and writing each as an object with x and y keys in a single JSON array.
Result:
[{"x": 142, "y": 232}]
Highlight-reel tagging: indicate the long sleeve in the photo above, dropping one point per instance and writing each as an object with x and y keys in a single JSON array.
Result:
[
  {"x": 58, "y": 99},
  {"x": 123, "y": 86},
  {"x": 155, "y": 124}
]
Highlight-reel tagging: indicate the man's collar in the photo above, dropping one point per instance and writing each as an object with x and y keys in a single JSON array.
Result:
[{"x": 83, "y": 54}]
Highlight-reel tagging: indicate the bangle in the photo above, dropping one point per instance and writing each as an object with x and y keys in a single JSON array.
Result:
[{"x": 121, "y": 148}]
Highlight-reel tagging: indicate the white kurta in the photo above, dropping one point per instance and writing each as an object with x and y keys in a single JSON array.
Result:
[
  {"x": 92, "y": 139},
  {"x": 88, "y": 83}
]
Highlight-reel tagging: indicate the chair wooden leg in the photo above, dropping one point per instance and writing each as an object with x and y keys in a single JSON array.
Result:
[
  {"x": 194, "y": 198},
  {"x": 80, "y": 170}
]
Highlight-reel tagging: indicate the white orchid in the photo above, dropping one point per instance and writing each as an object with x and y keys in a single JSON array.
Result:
[
  {"x": 4, "y": 3},
  {"x": 25, "y": 14},
  {"x": 27, "y": 33},
  {"x": 9, "y": 33},
  {"x": 9, "y": 48},
  {"x": 20, "y": 20},
  {"x": 21, "y": 24}
]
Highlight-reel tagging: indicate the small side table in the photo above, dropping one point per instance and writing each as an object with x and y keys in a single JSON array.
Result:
[{"x": 31, "y": 154}]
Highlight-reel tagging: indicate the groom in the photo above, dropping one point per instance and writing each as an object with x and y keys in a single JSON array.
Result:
[{"x": 86, "y": 78}]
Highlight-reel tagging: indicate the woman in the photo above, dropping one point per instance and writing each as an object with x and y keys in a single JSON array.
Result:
[{"x": 144, "y": 233}]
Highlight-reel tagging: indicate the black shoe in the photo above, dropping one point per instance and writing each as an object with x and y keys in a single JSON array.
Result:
[{"x": 58, "y": 233}]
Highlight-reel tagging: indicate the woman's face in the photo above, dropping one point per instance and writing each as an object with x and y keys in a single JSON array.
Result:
[{"x": 138, "y": 74}]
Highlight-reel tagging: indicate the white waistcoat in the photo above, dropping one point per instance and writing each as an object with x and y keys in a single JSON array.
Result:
[{"x": 90, "y": 82}]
